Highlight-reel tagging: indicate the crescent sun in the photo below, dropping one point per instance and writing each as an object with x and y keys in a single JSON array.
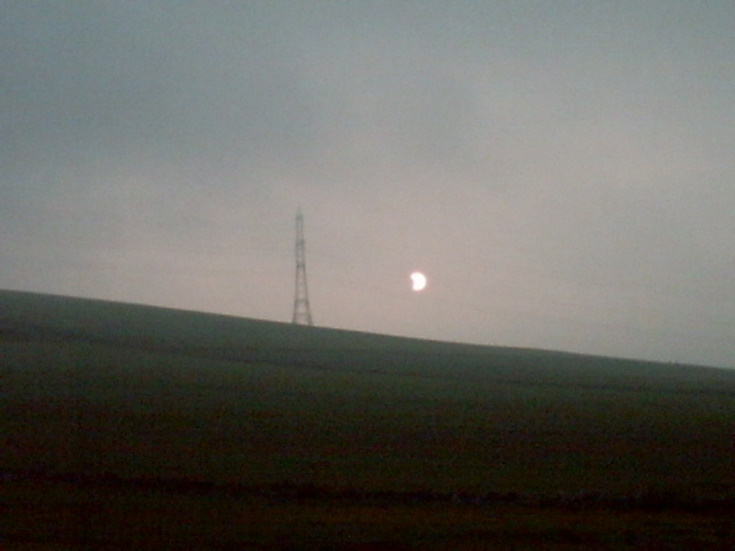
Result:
[{"x": 418, "y": 281}]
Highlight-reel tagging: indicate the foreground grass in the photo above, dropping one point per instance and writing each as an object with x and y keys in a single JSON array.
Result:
[
  {"x": 63, "y": 515},
  {"x": 100, "y": 408}
]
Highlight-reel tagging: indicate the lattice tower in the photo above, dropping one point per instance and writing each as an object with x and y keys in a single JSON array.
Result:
[{"x": 301, "y": 309}]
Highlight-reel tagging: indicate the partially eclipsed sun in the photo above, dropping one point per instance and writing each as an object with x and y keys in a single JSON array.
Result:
[{"x": 419, "y": 281}]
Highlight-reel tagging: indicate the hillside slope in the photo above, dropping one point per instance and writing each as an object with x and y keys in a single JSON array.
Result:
[{"x": 137, "y": 391}]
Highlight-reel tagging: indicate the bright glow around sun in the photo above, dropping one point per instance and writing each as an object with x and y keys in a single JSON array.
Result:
[{"x": 419, "y": 281}]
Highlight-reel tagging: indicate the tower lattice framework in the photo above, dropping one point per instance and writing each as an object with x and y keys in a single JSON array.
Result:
[{"x": 301, "y": 308}]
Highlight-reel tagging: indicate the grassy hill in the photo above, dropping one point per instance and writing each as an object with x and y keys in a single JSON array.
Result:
[
  {"x": 137, "y": 392},
  {"x": 174, "y": 393}
]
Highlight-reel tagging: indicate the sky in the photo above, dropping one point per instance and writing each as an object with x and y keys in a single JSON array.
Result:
[{"x": 562, "y": 172}]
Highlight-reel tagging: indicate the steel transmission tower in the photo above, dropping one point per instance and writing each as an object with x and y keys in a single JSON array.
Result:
[{"x": 301, "y": 309}]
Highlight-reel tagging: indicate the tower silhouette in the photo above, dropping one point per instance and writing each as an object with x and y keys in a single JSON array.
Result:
[{"x": 301, "y": 309}]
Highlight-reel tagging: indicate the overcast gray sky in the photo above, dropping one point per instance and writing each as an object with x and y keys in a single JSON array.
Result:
[{"x": 563, "y": 172}]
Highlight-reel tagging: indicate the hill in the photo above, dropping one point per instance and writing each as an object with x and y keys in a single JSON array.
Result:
[{"x": 102, "y": 389}]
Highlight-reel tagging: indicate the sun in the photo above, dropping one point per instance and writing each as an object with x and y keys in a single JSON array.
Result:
[{"x": 418, "y": 281}]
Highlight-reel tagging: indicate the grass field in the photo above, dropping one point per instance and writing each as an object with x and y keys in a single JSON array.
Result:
[
  {"x": 66, "y": 516},
  {"x": 139, "y": 393}
]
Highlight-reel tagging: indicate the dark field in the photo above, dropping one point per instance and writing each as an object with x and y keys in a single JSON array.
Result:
[{"x": 129, "y": 426}]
